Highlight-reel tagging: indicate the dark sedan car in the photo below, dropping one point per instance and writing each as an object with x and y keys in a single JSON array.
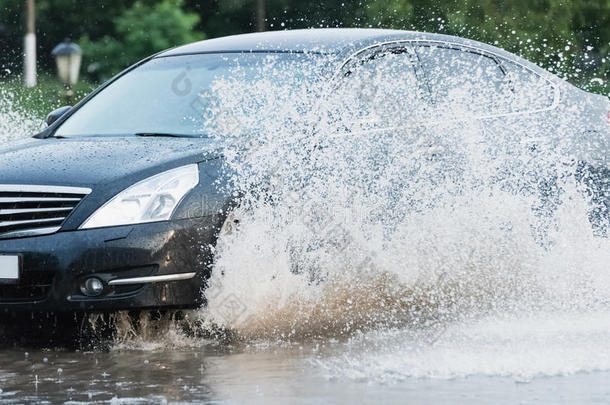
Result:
[{"x": 117, "y": 204}]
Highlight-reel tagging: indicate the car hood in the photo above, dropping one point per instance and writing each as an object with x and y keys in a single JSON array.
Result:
[
  {"x": 106, "y": 165},
  {"x": 92, "y": 161}
]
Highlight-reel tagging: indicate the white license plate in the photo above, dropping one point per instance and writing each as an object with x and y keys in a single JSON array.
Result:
[{"x": 9, "y": 268}]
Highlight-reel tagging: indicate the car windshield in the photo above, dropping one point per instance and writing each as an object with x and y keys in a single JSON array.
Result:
[{"x": 169, "y": 95}]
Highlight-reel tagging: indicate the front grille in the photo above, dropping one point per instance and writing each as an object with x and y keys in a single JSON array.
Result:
[
  {"x": 27, "y": 210},
  {"x": 34, "y": 286}
]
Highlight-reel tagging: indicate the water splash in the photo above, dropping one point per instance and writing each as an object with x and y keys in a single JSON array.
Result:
[
  {"x": 352, "y": 220},
  {"x": 15, "y": 122},
  {"x": 442, "y": 248}
]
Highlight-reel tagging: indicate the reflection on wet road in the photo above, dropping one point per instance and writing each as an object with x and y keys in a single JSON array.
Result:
[{"x": 546, "y": 360}]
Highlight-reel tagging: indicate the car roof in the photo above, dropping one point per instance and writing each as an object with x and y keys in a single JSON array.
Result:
[
  {"x": 321, "y": 40},
  {"x": 329, "y": 40},
  {"x": 338, "y": 41}
]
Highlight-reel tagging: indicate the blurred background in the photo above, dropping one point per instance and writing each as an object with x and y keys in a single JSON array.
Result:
[{"x": 568, "y": 37}]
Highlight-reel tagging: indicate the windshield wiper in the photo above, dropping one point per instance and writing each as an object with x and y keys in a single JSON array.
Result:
[{"x": 169, "y": 135}]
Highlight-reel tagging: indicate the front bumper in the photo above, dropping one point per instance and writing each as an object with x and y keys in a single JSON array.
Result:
[{"x": 55, "y": 266}]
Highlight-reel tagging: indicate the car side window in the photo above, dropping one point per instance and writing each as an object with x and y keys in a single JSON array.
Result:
[
  {"x": 531, "y": 91},
  {"x": 464, "y": 83},
  {"x": 382, "y": 89}
]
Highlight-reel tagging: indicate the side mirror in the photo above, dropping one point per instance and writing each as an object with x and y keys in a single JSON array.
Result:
[{"x": 56, "y": 114}]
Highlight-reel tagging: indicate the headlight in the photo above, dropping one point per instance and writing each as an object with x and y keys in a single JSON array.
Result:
[{"x": 152, "y": 199}]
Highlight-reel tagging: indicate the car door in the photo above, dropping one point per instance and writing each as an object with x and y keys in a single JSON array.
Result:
[
  {"x": 385, "y": 99},
  {"x": 382, "y": 88},
  {"x": 464, "y": 83},
  {"x": 496, "y": 112},
  {"x": 382, "y": 93}
]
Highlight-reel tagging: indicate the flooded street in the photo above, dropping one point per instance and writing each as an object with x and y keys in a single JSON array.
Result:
[
  {"x": 549, "y": 358},
  {"x": 388, "y": 367}
]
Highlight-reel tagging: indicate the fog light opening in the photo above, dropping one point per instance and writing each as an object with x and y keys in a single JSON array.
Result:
[{"x": 92, "y": 287}]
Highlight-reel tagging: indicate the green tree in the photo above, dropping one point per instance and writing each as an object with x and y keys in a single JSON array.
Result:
[
  {"x": 55, "y": 21},
  {"x": 116, "y": 33},
  {"x": 539, "y": 30},
  {"x": 139, "y": 31}
]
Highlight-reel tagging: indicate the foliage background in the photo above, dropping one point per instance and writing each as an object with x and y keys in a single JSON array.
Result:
[{"x": 569, "y": 37}]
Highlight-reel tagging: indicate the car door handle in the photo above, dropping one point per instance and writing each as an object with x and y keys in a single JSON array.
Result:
[{"x": 433, "y": 152}]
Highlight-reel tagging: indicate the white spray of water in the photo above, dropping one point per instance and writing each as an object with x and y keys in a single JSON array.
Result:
[
  {"x": 346, "y": 226},
  {"x": 14, "y": 121}
]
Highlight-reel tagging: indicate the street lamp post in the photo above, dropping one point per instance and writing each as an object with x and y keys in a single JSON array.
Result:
[
  {"x": 260, "y": 15},
  {"x": 29, "y": 52},
  {"x": 68, "y": 57}
]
